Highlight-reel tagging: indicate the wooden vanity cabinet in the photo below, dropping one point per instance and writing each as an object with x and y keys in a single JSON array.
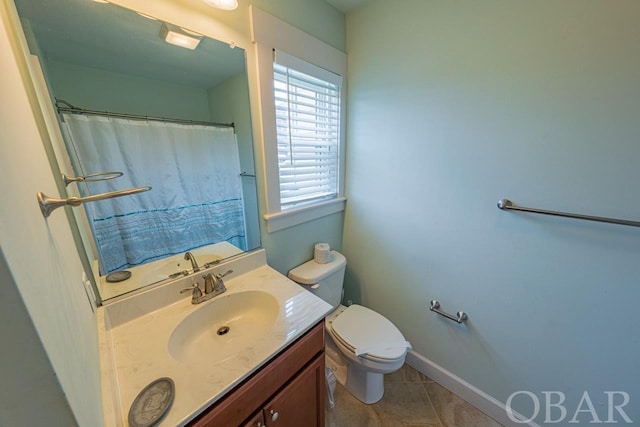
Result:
[{"x": 289, "y": 391}]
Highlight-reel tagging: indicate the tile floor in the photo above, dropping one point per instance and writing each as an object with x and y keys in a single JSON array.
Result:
[{"x": 410, "y": 399}]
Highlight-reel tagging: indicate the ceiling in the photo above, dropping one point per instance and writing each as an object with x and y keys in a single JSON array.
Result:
[{"x": 105, "y": 36}]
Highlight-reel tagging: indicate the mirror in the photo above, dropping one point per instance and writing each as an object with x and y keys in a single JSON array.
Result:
[{"x": 99, "y": 58}]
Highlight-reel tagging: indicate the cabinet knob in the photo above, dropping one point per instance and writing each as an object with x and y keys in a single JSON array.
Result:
[
  {"x": 260, "y": 424},
  {"x": 274, "y": 415}
]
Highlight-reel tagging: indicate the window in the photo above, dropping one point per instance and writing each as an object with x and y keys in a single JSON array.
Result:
[
  {"x": 307, "y": 111},
  {"x": 301, "y": 90}
]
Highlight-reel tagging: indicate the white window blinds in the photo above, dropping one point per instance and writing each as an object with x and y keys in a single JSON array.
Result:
[{"x": 307, "y": 104}]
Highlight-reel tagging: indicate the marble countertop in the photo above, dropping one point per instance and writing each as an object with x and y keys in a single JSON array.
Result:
[{"x": 135, "y": 348}]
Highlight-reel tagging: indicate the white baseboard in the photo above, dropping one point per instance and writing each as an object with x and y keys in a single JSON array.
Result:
[{"x": 473, "y": 395}]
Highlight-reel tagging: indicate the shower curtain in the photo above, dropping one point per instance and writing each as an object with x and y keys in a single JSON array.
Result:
[{"x": 194, "y": 172}]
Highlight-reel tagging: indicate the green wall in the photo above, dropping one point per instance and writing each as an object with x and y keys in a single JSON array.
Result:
[
  {"x": 96, "y": 89},
  {"x": 229, "y": 102},
  {"x": 25, "y": 366},
  {"x": 455, "y": 105},
  {"x": 315, "y": 17}
]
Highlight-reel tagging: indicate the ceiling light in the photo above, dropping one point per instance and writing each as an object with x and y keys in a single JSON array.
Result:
[
  {"x": 179, "y": 36},
  {"x": 101, "y": 1},
  {"x": 223, "y": 4}
]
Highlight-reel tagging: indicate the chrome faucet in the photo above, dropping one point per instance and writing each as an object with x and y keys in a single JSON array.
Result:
[
  {"x": 194, "y": 264},
  {"x": 210, "y": 283},
  {"x": 213, "y": 285}
]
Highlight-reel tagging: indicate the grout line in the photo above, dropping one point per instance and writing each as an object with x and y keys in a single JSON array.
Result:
[{"x": 424, "y": 388}]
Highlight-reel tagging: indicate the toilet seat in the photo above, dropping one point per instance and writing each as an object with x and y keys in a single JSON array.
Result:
[{"x": 369, "y": 335}]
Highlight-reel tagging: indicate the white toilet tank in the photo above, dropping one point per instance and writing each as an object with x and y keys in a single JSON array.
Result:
[{"x": 324, "y": 280}]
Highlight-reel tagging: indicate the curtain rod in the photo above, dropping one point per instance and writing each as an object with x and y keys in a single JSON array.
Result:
[{"x": 75, "y": 110}]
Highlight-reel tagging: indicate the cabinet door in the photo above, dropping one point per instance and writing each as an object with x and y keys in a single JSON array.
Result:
[
  {"x": 257, "y": 421},
  {"x": 301, "y": 402}
]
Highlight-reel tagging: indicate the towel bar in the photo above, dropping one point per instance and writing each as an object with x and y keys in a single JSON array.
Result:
[
  {"x": 505, "y": 204},
  {"x": 93, "y": 177},
  {"x": 48, "y": 204},
  {"x": 460, "y": 316}
]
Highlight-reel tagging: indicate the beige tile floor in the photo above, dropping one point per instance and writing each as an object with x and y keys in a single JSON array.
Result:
[{"x": 410, "y": 399}]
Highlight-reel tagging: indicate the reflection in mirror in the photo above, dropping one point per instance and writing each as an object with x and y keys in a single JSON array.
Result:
[{"x": 174, "y": 118}]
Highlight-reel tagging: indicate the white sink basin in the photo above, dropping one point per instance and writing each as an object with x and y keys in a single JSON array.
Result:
[{"x": 218, "y": 328}]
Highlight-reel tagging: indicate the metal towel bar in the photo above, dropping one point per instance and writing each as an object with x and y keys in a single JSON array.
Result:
[
  {"x": 49, "y": 204},
  {"x": 505, "y": 204},
  {"x": 460, "y": 316},
  {"x": 93, "y": 177}
]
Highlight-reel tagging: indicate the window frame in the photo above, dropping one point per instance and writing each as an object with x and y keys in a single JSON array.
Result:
[
  {"x": 269, "y": 34},
  {"x": 305, "y": 91}
]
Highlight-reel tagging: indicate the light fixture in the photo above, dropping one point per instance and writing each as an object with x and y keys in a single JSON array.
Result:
[
  {"x": 101, "y": 1},
  {"x": 223, "y": 4},
  {"x": 179, "y": 36}
]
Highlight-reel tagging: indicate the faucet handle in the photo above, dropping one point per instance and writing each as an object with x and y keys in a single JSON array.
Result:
[
  {"x": 211, "y": 264},
  {"x": 220, "y": 276},
  {"x": 219, "y": 283},
  {"x": 197, "y": 292}
]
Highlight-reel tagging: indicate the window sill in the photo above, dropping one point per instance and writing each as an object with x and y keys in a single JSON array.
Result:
[{"x": 281, "y": 220}]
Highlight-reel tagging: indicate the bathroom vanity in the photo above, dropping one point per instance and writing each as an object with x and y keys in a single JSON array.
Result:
[
  {"x": 288, "y": 391},
  {"x": 267, "y": 370}
]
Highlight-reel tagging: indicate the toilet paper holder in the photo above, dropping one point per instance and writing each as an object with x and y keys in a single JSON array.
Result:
[{"x": 460, "y": 316}]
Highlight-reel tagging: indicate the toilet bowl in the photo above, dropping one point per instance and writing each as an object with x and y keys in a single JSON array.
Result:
[
  {"x": 361, "y": 344},
  {"x": 368, "y": 347}
]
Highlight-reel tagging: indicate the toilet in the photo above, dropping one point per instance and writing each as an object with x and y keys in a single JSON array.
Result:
[{"x": 361, "y": 345}]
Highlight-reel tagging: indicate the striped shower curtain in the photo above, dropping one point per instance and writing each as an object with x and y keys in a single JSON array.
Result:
[{"x": 194, "y": 172}]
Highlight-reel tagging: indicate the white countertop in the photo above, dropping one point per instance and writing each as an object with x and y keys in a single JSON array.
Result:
[
  {"x": 155, "y": 271},
  {"x": 135, "y": 349}
]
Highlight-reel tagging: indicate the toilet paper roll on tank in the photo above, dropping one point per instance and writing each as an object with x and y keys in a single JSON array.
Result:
[{"x": 322, "y": 253}]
